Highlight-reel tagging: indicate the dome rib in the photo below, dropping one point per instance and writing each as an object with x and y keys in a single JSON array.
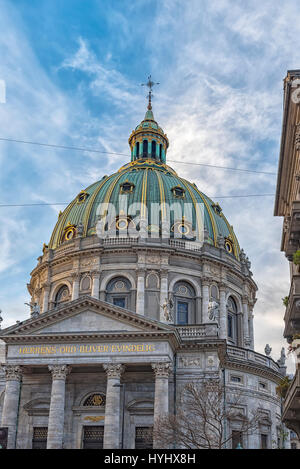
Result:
[
  {"x": 153, "y": 182},
  {"x": 91, "y": 203}
]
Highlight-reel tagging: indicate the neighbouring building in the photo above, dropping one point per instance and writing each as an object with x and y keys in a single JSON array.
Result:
[
  {"x": 125, "y": 311},
  {"x": 287, "y": 205}
]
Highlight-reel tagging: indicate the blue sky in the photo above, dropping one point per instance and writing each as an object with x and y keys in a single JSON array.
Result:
[{"x": 73, "y": 71}]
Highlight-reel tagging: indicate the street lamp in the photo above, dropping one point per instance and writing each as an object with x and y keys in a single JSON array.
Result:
[{"x": 123, "y": 411}]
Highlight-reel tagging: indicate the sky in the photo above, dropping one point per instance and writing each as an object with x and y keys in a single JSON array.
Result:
[{"x": 72, "y": 71}]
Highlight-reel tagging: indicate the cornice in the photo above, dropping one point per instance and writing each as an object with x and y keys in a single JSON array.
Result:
[
  {"x": 259, "y": 370},
  {"x": 92, "y": 337}
]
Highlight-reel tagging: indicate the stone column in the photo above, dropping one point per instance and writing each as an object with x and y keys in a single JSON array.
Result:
[
  {"x": 205, "y": 300},
  {"x": 46, "y": 298},
  {"x": 161, "y": 398},
  {"x": 96, "y": 284},
  {"x": 251, "y": 331},
  {"x": 13, "y": 375},
  {"x": 75, "y": 288},
  {"x": 140, "y": 293},
  {"x": 163, "y": 294},
  {"x": 112, "y": 406},
  {"x": 223, "y": 313},
  {"x": 57, "y": 406},
  {"x": 246, "y": 337}
]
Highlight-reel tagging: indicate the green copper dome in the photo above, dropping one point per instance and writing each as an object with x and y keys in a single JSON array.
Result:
[{"x": 145, "y": 181}]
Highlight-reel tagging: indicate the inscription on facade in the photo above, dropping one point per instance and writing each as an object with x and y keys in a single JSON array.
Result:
[{"x": 84, "y": 349}]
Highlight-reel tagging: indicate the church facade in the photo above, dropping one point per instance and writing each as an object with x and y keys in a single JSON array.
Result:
[{"x": 127, "y": 309}]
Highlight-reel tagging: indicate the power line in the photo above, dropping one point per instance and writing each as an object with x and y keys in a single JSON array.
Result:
[
  {"x": 67, "y": 203},
  {"x": 91, "y": 150}
]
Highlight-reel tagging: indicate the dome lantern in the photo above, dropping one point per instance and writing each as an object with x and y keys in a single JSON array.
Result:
[{"x": 148, "y": 140}]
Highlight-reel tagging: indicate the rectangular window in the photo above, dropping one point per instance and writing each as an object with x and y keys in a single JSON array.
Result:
[
  {"x": 39, "y": 439},
  {"x": 237, "y": 439},
  {"x": 230, "y": 326},
  {"x": 262, "y": 385},
  {"x": 93, "y": 437},
  {"x": 182, "y": 312},
  {"x": 263, "y": 441},
  {"x": 143, "y": 438},
  {"x": 236, "y": 379},
  {"x": 119, "y": 302}
]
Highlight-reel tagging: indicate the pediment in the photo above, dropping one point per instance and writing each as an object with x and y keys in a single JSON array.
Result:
[
  {"x": 85, "y": 315},
  {"x": 88, "y": 321}
]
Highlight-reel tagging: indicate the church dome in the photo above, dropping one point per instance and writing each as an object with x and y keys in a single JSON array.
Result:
[{"x": 170, "y": 205}]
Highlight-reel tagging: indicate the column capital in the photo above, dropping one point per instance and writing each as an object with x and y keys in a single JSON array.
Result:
[
  {"x": 114, "y": 370},
  {"x": 12, "y": 372},
  {"x": 164, "y": 272},
  {"x": 206, "y": 281},
  {"x": 162, "y": 369},
  {"x": 95, "y": 273},
  {"x": 245, "y": 299},
  {"x": 141, "y": 271},
  {"x": 75, "y": 276},
  {"x": 59, "y": 371}
]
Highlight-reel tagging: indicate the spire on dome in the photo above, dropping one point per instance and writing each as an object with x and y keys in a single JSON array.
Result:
[
  {"x": 150, "y": 85},
  {"x": 148, "y": 140}
]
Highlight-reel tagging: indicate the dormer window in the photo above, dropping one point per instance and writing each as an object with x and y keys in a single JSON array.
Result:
[
  {"x": 178, "y": 192},
  {"x": 217, "y": 208},
  {"x": 82, "y": 196},
  {"x": 127, "y": 187}
]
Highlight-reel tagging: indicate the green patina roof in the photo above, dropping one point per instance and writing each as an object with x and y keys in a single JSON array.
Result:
[{"x": 153, "y": 183}]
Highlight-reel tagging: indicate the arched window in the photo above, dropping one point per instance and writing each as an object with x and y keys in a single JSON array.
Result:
[
  {"x": 137, "y": 153},
  {"x": 214, "y": 294},
  {"x": 145, "y": 148},
  {"x": 160, "y": 151},
  {"x": 153, "y": 149},
  {"x": 184, "y": 296},
  {"x": 62, "y": 295},
  {"x": 232, "y": 320},
  {"x": 118, "y": 292},
  {"x": 85, "y": 283},
  {"x": 95, "y": 400}
]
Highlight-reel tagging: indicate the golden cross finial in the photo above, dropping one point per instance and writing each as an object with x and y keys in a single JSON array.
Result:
[{"x": 150, "y": 85}]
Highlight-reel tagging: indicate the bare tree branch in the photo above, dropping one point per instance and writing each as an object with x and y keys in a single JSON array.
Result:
[{"x": 201, "y": 419}]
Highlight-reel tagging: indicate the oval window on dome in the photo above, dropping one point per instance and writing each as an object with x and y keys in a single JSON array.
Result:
[
  {"x": 122, "y": 224},
  {"x": 69, "y": 232},
  {"x": 228, "y": 245},
  {"x": 183, "y": 229}
]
